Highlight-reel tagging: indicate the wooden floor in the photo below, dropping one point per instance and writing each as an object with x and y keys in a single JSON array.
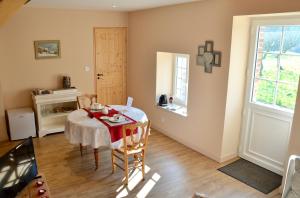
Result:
[{"x": 173, "y": 171}]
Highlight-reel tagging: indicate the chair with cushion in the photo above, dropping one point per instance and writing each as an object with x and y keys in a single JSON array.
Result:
[
  {"x": 133, "y": 145},
  {"x": 86, "y": 100},
  {"x": 292, "y": 180}
]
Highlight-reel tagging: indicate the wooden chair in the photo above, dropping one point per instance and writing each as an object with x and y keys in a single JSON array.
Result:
[
  {"x": 132, "y": 147},
  {"x": 86, "y": 100}
]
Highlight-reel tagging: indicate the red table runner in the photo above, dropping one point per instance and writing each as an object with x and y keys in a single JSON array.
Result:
[{"x": 115, "y": 131}]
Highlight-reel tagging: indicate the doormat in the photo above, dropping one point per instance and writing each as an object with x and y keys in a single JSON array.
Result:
[{"x": 253, "y": 175}]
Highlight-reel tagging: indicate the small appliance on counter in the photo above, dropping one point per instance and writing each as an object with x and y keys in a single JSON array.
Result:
[
  {"x": 66, "y": 82},
  {"x": 163, "y": 100}
]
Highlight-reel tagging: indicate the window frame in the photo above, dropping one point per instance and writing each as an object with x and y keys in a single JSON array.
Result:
[
  {"x": 178, "y": 101},
  {"x": 254, "y": 36},
  {"x": 279, "y": 55}
]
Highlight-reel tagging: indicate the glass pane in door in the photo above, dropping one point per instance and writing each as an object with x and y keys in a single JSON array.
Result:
[
  {"x": 277, "y": 66},
  {"x": 291, "y": 42},
  {"x": 270, "y": 38},
  {"x": 286, "y": 95},
  {"x": 264, "y": 91},
  {"x": 289, "y": 68},
  {"x": 266, "y": 66}
]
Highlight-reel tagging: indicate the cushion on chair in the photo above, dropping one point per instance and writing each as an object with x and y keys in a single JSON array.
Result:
[
  {"x": 295, "y": 189},
  {"x": 130, "y": 149},
  {"x": 199, "y": 195}
]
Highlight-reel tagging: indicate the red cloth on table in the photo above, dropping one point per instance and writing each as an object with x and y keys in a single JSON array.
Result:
[{"x": 116, "y": 132}]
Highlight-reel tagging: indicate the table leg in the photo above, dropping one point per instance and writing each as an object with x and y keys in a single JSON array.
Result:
[
  {"x": 80, "y": 149},
  {"x": 96, "y": 157}
]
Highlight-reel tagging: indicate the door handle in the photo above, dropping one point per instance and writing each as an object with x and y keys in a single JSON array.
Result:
[{"x": 99, "y": 76}]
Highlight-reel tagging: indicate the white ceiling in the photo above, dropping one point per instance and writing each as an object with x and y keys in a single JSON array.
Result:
[{"x": 116, "y": 5}]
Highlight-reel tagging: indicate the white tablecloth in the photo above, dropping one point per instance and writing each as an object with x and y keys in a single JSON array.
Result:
[{"x": 82, "y": 129}]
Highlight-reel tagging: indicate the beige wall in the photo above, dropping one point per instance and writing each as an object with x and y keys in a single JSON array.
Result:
[
  {"x": 3, "y": 134},
  {"x": 164, "y": 73},
  {"x": 149, "y": 31},
  {"x": 236, "y": 86},
  {"x": 294, "y": 147},
  {"x": 181, "y": 29},
  {"x": 20, "y": 72}
]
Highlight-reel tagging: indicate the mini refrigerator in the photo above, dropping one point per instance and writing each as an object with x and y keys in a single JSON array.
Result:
[{"x": 21, "y": 123}]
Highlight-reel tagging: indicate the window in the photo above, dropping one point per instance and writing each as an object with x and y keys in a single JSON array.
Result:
[
  {"x": 277, "y": 66},
  {"x": 181, "y": 80},
  {"x": 172, "y": 74}
]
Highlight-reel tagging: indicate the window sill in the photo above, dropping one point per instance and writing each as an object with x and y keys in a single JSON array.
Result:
[{"x": 180, "y": 110}]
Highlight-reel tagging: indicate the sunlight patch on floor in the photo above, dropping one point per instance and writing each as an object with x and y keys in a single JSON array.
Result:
[
  {"x": 134, "y": 179},
  {"x": 148, "y": 186},
  {"x": 123, "y": 193}
]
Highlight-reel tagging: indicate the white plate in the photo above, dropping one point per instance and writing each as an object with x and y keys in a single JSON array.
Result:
[
  {"x": 104, "y": 118},
  {"x": 112, "y": 119},
  {"x": 98, "y": 109},
  {"x": 95, "y": 110}
]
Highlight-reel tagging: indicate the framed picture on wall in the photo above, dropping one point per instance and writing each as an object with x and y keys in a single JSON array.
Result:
[
  {"x": 209, "y": 46},
  {"x": 44, "y": 49},
  {"x": 217, "y": 59},
  {"x": 201, "y": 50}
]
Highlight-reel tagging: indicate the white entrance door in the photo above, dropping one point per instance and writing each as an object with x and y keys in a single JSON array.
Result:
[{"x": 271, "y": 94}]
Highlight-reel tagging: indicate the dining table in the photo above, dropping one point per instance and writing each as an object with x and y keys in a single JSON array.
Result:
[{"x": 85, "y": 130}]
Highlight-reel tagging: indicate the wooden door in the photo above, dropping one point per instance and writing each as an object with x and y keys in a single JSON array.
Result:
[
  {"x": 110, "y": 60},
  {"x": 8, "y": 7}
]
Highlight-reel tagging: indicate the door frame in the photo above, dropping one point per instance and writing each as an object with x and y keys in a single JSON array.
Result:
[
  {"x": 244, "y": 137},
  {"x": 94, "y": 59}
]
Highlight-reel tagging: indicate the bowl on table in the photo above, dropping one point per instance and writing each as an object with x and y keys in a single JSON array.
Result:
[
  {"x": 96, "y": 107},
  {"x": 105, "y": 110}
]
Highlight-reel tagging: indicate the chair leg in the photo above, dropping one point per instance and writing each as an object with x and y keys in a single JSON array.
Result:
[
  {"x": 113, "y": 161},
  {"x": 81, "y": 149},
  {"x": 136, "y": 162},
  {"x": 126, "y": 169},
  {"x": 96, "y": 155},
  {"x": 143, "y": 164}
]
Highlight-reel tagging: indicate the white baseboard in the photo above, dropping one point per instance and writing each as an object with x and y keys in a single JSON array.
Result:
[{"x": 184, "y": 142}]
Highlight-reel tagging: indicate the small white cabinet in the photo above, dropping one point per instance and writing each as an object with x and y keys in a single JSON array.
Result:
[
  {"x": 21, "y": 123},
  {"x": 52, "y": 110}
]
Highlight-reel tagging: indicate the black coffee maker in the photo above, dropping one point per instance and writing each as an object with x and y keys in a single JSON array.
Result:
[
  {"x": 163, "y": 100},
  {"x": 66, "y": 82}
]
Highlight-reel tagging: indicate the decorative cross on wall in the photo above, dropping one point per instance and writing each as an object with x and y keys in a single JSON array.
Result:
[{"x": 207, "y": 57}]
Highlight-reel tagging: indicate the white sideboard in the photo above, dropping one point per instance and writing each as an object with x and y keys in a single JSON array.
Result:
[{"x": 52, "y": 109}]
